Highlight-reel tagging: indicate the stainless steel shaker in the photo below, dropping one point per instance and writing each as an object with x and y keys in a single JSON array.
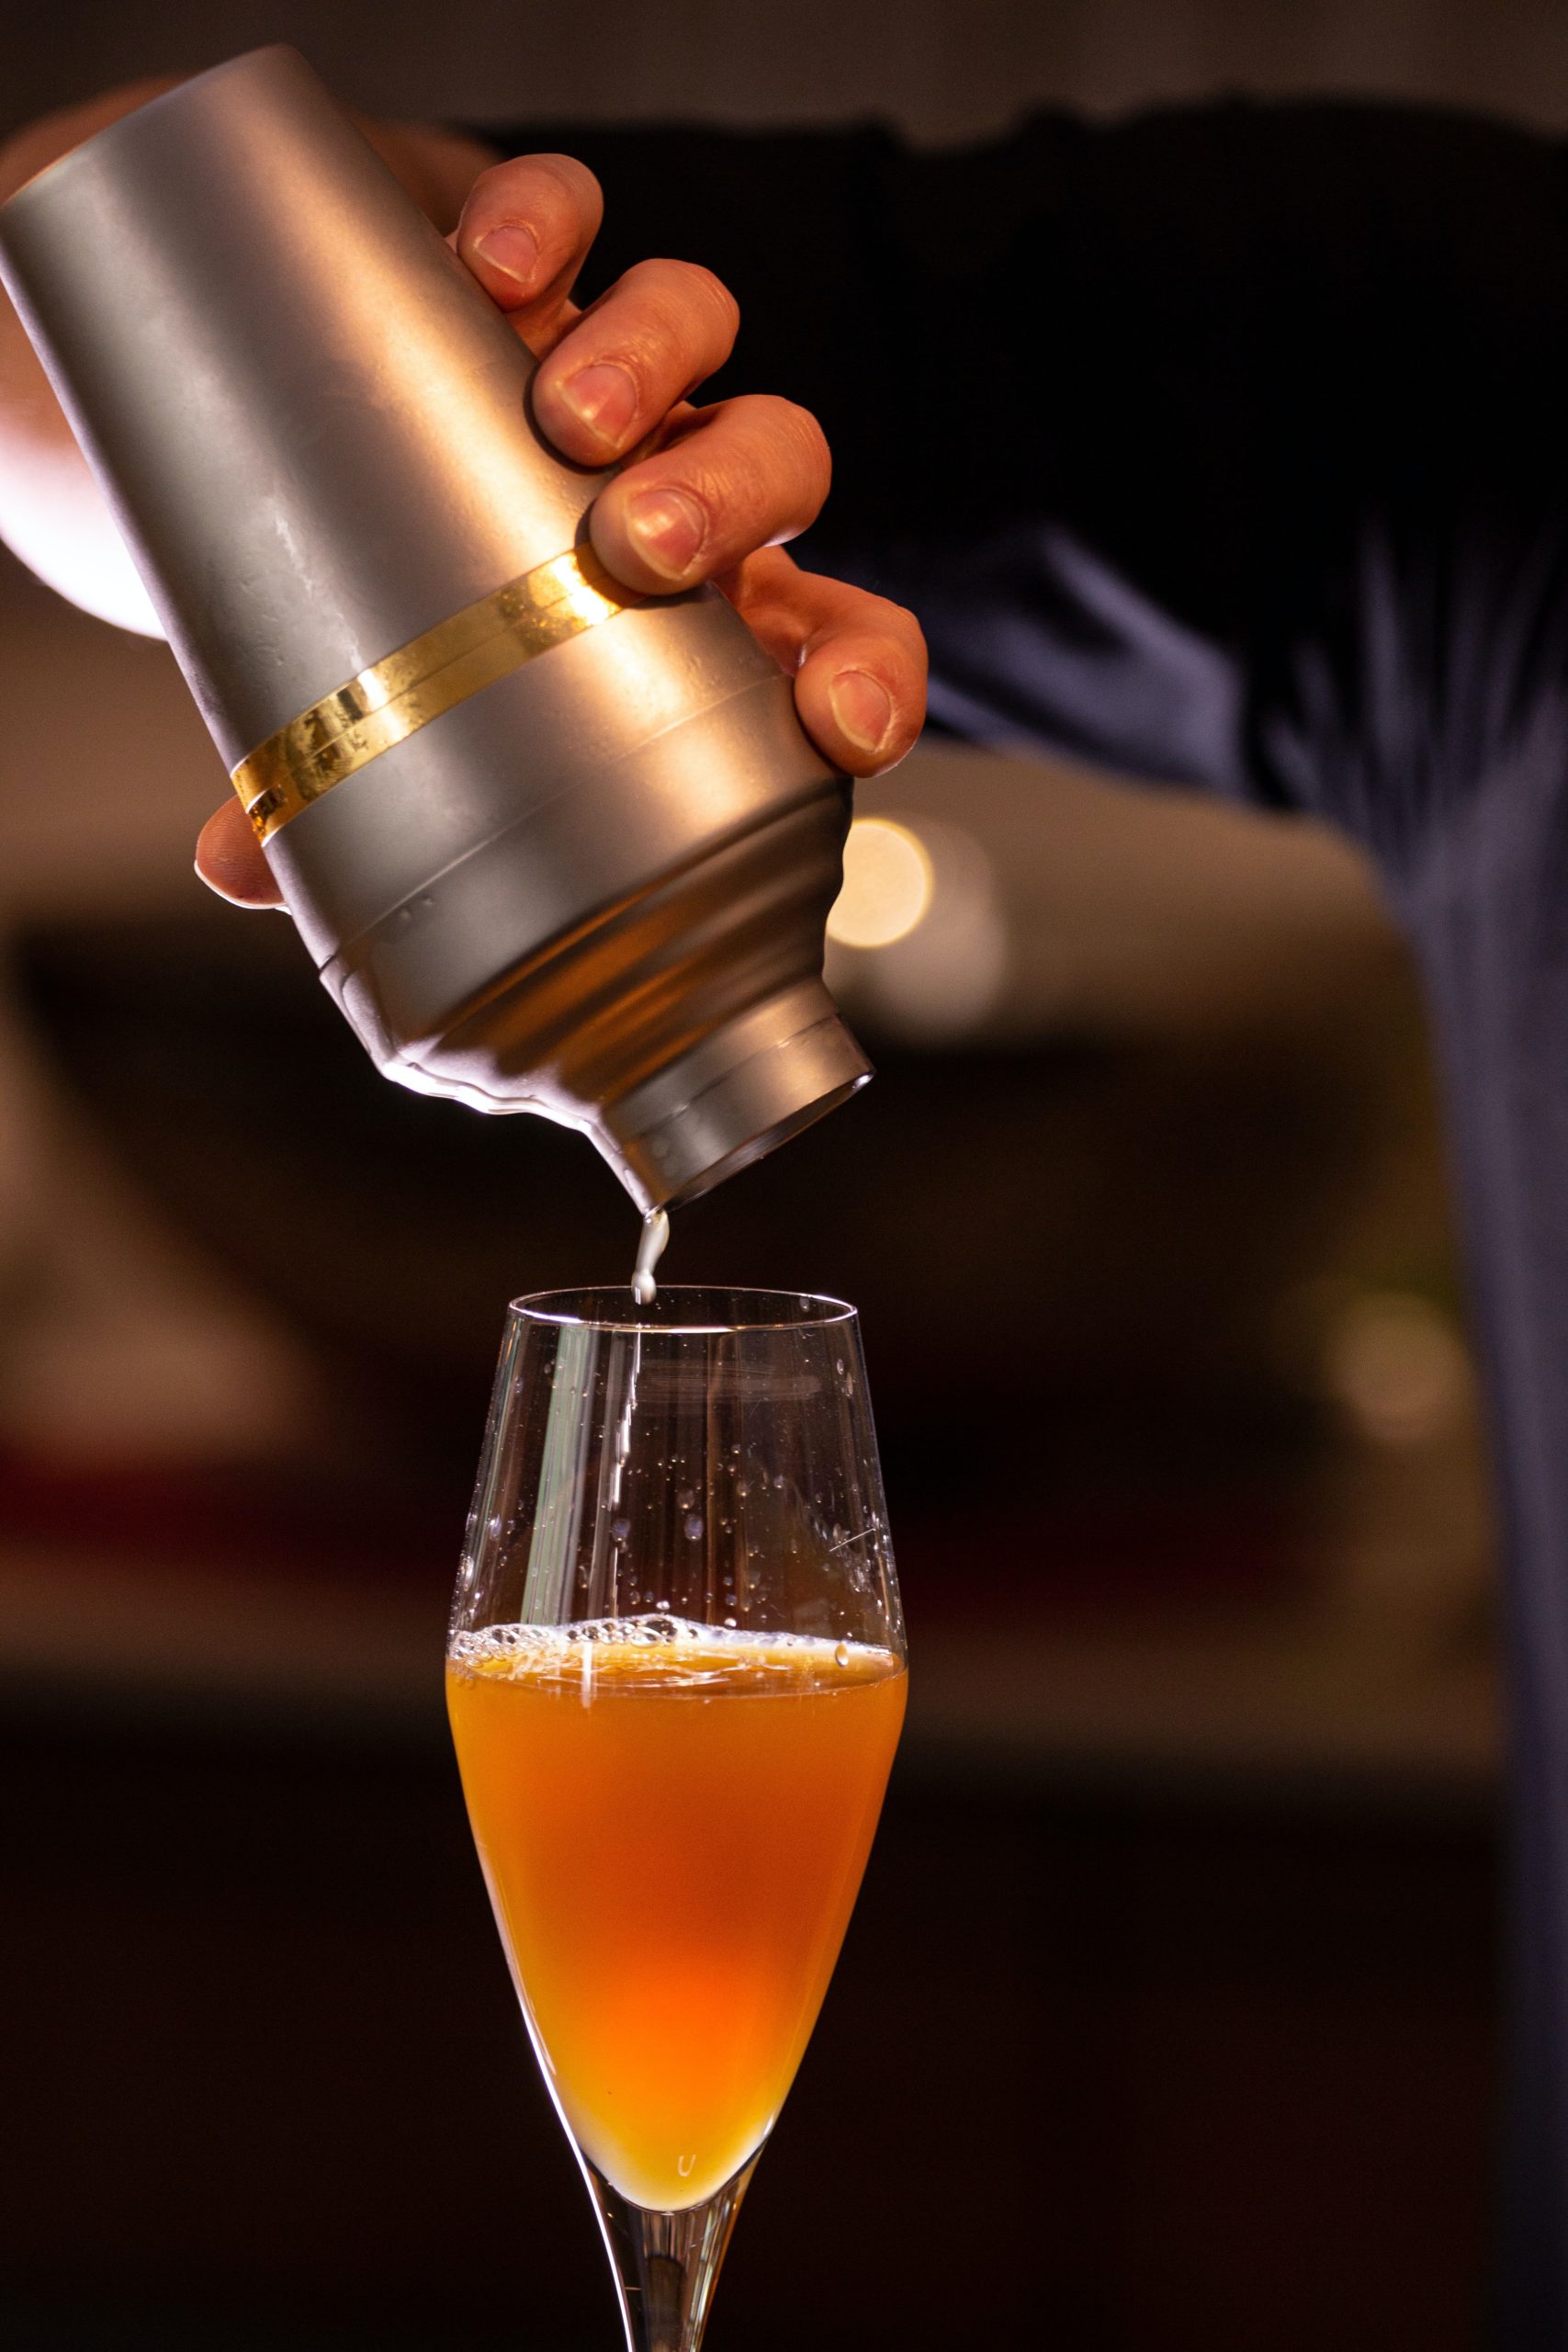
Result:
[{"x": 554, "y": 848}]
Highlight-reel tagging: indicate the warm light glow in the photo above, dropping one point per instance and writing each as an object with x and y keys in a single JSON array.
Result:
[
  {"x": 938, "y": 965},
  {"x": 1398, "y": 1366},
  {"x": 888, "y": 886}
]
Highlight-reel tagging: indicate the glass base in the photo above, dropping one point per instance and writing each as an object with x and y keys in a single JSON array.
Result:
[{"x": 666, "y": 2265}]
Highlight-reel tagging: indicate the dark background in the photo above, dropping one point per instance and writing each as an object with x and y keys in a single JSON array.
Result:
[{"x": 1168, "y": 2014}]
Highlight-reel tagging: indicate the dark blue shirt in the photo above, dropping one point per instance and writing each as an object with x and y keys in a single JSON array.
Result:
[{"x": 1231, "y": 447}]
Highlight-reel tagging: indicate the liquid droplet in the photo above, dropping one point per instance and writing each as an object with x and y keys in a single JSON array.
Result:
[{"x": 650, "y": 1249}]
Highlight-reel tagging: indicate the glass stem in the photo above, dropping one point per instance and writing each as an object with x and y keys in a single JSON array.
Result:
[{"x": 666, "y": 2265}]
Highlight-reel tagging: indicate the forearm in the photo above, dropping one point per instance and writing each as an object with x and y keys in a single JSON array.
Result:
[{"x": 52, "y": 514}]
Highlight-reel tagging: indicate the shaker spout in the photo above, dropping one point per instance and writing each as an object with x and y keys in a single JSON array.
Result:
[{"x": 732, "y": 1098}]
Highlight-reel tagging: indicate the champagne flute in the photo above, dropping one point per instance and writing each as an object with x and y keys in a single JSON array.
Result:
[{"x": 676, "y": 1682}]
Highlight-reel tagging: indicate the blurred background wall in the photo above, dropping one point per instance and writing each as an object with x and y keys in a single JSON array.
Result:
[
  {"x": 943, "y": 69},
  {"x": 1179, "y": 1942}
]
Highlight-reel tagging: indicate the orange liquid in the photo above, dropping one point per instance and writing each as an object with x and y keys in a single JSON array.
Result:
[{"x": 673, "y": 1833}]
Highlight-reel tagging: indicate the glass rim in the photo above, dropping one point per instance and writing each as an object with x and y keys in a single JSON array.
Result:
[{"x": 593, "y": 1301}]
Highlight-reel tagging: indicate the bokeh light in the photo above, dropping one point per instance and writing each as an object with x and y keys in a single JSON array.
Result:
[
  {"x": 888, "y": 884},
  {"x": 1398, "y": 1366},
  {"x": 918, "y": 945}
]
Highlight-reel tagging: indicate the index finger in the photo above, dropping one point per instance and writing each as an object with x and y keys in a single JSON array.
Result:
[{"x": 524, "y": 233}]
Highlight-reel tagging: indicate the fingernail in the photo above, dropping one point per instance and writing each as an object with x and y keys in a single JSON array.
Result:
[
  {"x": 513, "y": 250},
  {"x": 863, "y": 707},
  {"x": 666, "y": 528},
  {"x": 603, "y": 398}
]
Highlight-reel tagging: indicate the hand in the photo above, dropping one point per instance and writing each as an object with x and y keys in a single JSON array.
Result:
[{"x": 712, "y": 491}]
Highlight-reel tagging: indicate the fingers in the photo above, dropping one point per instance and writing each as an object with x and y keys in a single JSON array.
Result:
[
  {"x": 661, "y": 330},
  {"x": 229, "y": 860},
  {"x": 657, "y": 333},
  {"x": 711, "y": 498},
  {"x": 723, "y": 480},
  {"x": 523, "y": 233},
  {"x": 741, "y": 475},
  {"x": 859, "y": 661}
]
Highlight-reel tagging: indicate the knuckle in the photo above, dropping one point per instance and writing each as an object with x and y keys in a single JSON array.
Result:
[
  {"x": 741, "y": 489},
  {"x": 552, "y": 195},
  {"x": 798, "y": 429},
  {"x": 496, "y": 192},
  {"x": 897, "y": 623},
  {"x": 574, "y": 181},
  {"x": 907, "y": 625},
  {"x": 688, "y": 282},
  {"x": 640, "y": 277},
  {"x": 735, "y": 493},
  {"x": 761, "y": 471},
  {"x": 818, "y": 455},
  {"x": 686, "y": 306},
  {"x": 714, "y": 294}
]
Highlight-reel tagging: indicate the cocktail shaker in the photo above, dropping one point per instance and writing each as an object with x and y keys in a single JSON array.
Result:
[{"x": 553, "y": 847}]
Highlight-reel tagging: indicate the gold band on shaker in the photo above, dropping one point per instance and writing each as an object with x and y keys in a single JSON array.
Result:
[{"x": 422, "y": 680}]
